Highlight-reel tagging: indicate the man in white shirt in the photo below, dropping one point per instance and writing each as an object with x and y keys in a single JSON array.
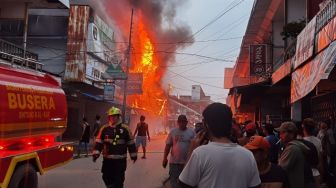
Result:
[{"x": 220, "y": 163}]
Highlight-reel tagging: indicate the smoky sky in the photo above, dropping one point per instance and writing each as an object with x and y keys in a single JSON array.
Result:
[{"x": 169, "y": 33}]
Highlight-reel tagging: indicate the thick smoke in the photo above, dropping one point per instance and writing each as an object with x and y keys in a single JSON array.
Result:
[{"x": 158, "y": 16}]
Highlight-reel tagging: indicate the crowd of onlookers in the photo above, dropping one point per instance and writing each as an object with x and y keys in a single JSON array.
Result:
[
  {"x": 224, "y": 153},
  {"x": 294, "y": 146}
]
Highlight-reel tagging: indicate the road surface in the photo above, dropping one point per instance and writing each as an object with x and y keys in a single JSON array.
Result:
[{"x": 83, "y": 173}]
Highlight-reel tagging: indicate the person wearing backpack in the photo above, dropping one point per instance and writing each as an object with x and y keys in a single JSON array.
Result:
[{"x": 293, "y": 159}]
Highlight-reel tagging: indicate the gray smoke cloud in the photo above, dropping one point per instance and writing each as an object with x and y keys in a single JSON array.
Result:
[{"x": 159, "y": 16}]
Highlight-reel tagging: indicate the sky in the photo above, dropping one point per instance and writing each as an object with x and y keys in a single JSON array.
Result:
[{"x": 219, "y": 42}]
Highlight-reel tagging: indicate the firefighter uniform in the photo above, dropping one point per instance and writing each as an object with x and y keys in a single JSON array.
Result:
[{"x": 113, "y": 142}]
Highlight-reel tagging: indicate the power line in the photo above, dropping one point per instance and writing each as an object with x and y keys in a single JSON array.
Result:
[
  {"x": 199, "y": 41},
  {"x": 122, "y": 51},
  {"x": 211, "y": 22},
  {"x": 205, "y": 76},
  {"x": 197, "y": 55},
  {"x": 194, "y": 80},
  {"x": 214, "y": 20}
]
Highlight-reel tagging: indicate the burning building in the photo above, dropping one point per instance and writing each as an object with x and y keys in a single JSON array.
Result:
[{"x": 152, "y": 45}]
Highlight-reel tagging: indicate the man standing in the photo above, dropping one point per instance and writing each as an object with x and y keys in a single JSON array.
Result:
[
  {"x": 309, "y": 127},
  {"x": 273, "y": 141},
  {"x": 220, "y": 163},
  {"x": 292, "y": 159},
  {"x": 85, "y": 138},
  {"x": 141, "y": 138},
  {"x": 250, "y": 130},
  {"x": 177, "y": 144},
  {"x": 96, "y": 127},
  {"x": 113, "y": 140},
  {"x": 271, "y": 175}
]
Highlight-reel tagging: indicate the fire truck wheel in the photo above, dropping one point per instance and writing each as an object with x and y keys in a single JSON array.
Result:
[{"x": 24, "y": 176}]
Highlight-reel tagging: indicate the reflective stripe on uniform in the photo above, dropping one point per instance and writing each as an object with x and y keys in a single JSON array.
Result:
[
  {"x": 130, "y": 142},
  {"x": 119, "y": 141},
  {"x": 99, "y": 141},
  {"x": 115, "y": 156},
  {"x": 95, "y": 152},
  {"x": 133, "y": 154}
]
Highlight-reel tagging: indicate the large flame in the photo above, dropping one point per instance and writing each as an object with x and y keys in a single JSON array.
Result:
[{"x": 145, "y": 61}]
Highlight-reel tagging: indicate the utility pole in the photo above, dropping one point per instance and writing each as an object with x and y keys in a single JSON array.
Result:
[
  {"x": 127, "y": 71},
  {"x": 25, "y": 32}
]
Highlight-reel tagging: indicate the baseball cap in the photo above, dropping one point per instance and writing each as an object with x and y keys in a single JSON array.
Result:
[
  {"x": 257, "y": 142},
  {"x": 287, "y": 127},
  {"x": 182, "y": 118},
  {"x": 250, "y": 127}
]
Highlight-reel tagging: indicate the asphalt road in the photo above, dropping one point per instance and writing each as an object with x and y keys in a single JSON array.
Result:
[{"x": 83, "y": 173}]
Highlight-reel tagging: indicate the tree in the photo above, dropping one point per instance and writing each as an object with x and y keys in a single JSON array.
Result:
[{"x": 292, "y": 29}]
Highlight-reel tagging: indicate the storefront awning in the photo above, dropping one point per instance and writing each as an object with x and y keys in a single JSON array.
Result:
[{"x": 305, "y": 78}]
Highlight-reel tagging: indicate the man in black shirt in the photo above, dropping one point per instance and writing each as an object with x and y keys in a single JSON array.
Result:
[
  {"x": 141, "y": 138},
  {"x": 271, "y": 175}
]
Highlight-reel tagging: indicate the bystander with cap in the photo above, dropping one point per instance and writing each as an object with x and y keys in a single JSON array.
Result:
[
  {"x": 250, "y": 130},
  {"x": 292, "y": 159},
  {"x": 271, "y": 175}
]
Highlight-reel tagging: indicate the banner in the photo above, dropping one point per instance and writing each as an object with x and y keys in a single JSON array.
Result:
[
  {"x": 326, "y": 35},
  {"x": 258, "y": 58},
  {"x": 305, "y": 44},
  {"x": 307, "y": 77}
]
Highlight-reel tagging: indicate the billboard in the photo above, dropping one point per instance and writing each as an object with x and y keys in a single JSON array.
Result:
[
  {"x": 305, "y": 44},
  {"x": 100, "y": 41},
  {"x": 258, "y": 60},
  {"x": 90, "y": 46}
]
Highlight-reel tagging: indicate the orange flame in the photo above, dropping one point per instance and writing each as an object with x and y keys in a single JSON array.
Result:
[{"x": 145, "y": 61}]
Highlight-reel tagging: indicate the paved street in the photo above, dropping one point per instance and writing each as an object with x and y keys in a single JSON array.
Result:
[{"x": 83, "y": 173}]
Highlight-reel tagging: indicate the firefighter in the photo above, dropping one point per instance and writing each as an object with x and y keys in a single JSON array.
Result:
[{"x": 113, "y": 140}]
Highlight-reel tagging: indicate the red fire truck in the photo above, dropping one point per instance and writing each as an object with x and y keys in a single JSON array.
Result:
[{"x": 33, "y": 112}]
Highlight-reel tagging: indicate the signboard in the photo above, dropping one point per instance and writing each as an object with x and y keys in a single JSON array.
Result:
[
  {"x": 114, "y": 72},
  {"x": 305, "y": 44},
  {"x": 109, "y": 92},
  {"x": 258, "y": 59},
  {"x": 134, "y": 84}
]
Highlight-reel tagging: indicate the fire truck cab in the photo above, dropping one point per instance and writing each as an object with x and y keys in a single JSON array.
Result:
[{"x": 33, "y": 113}]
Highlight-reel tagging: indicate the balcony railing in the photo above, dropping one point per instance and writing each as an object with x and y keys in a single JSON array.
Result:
[
  {"x": 15, "y": 55},
  {"x": 10, "y": 48},
  {"x": 325, "y": 15},
  {"x": 289, "y": 53}
]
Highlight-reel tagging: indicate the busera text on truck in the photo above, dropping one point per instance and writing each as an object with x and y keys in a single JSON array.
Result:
[{"x": 33, "y": 112}]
